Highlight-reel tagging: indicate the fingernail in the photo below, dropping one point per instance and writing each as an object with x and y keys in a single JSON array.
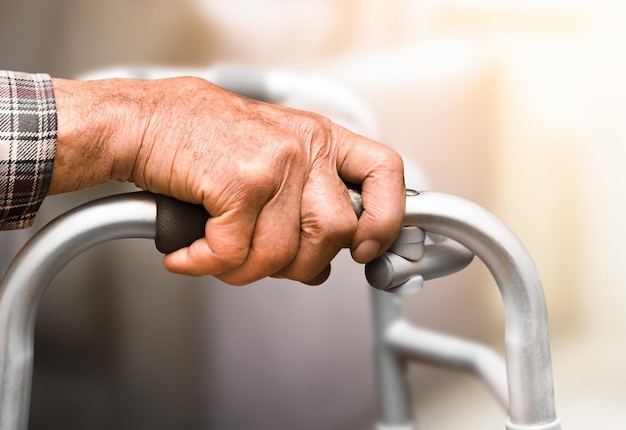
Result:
[{"x": 366, "y": 251}]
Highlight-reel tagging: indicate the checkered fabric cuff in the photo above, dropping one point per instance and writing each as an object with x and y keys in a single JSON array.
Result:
[{"x": 28, "y": 131}]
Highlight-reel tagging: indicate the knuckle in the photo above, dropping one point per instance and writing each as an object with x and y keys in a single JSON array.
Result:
[
  {"x": 331, "y": 224},
  {"x": 312, "y": 127},
  {"x": 288, "y": 154},
  {"x": 337, "y": 233},
  {"x": 390, "y": 161},
  {"x": 253, "y": 184},
  {"x": 344, "y": 226},
  {"x": 288, "y": 147},
  {"x": 230, "y": 255},
  {"x": 395, "y": 161}
]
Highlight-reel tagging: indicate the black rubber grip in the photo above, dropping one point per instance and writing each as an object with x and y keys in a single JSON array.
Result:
[{"x": 178, "y": 223}]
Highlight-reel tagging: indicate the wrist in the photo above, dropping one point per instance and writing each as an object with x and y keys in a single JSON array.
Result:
[{"x": 99, "y": 131}]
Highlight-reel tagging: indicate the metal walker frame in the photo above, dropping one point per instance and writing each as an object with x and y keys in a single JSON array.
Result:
[{"x": 442, "y": 234}]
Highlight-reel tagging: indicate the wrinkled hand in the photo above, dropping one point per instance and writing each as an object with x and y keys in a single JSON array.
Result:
[{"x": 271, "y": 177}]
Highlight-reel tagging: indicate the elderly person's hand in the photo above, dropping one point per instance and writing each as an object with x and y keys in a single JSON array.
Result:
[{"x": 271, "y": 177}]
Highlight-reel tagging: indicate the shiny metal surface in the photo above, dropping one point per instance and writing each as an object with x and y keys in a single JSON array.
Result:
[
  {"x": 438, "y": 259},
  {"x": 528, "y": 364},
  {"x": 427, "y": 346},
  {"x": 395, "y": 406},
  {"x": 529, "y": 368},
  {"x": 122, "y": 216}
]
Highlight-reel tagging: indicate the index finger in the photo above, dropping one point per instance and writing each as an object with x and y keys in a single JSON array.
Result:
[{"x": 380, "y": 172}]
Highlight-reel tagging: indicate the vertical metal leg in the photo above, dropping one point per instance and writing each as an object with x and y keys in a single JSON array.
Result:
[{"x": 394, "y": 400}]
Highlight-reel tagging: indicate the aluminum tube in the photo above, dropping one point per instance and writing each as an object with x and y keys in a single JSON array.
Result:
[
  {"x": 122, "y": 216},
  {"x": 443, "y": 350},
  {"x": 529, "y": 368},
  {"x": 395, "y": 408}
]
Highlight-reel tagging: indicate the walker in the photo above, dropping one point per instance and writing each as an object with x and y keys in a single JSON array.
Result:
[{"x": 441, "y": 235}]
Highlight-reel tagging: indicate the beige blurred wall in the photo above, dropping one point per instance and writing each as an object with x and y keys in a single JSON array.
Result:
[
  {"x": 67, "y": 37},
  {"x": 559, "y": 144}
]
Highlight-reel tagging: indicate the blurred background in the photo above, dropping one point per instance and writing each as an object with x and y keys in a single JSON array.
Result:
[{"x": 518, "y": 106}]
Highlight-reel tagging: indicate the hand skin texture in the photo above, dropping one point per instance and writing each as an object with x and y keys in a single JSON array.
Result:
[{"x": 270, "y": 176}]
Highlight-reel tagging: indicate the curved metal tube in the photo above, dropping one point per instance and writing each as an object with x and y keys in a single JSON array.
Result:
[
  {"x": 529, "y": 368},
  {"x": 429, "y": 346},
  {"x": 116, "y": 217}
]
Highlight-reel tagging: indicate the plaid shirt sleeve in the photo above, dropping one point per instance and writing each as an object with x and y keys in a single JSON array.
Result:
[{"x": 28, "y": 129}]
